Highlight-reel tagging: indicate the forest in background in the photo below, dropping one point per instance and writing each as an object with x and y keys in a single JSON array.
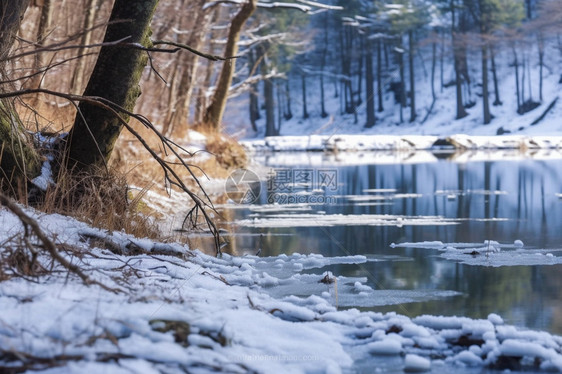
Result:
[{"x": 361, "y": 51}]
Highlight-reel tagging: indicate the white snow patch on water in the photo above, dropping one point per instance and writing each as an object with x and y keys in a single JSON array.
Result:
[{"x": 489, "y": 253}]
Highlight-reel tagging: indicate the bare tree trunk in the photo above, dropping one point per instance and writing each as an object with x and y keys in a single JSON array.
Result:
[
  {"x": 379, "y": 74},
  {"x": 541, "y": 63},
  {"x": 254, "y": 108},
  {"x": 497, "y": 100},
  {"x": 19, "y": 161},
  {"x": 516, "y": 66},
  {"x": 457, "y": 59},
  {"x": 179, "y": 109},
  {"x": 412, "y": 76},
  {"x": 79, "y": 74},
  {"x": 369, "y": 82},
  {"x": 442, "y": 58},
  {"x": 323, "y": 113},
  {"x": 215, "y": 111},
  {"x": 359, "y": 100},
  {"x": 289, "y": 112},
  {"x": 269, "y": 101},
  {"x": 95, "y": 129},
  {"x": 40, "y": 62},
  {"x": 304, "y": 98},
  {"x": 485, "y": 98},
  {"x": 402, "y": 81}
]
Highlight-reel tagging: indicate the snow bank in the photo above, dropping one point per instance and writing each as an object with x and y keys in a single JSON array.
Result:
[
  {"x": 341, "y": 143},
  {"x": 185, "y": 311}
]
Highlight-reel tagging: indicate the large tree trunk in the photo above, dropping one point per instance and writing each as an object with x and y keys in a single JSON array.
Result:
[
  {"x": 96, "y": 129},
  {"x": 19, "y": 161},
  {"x": 215, "y": 111},
  {"x": 11, "y": 13}
]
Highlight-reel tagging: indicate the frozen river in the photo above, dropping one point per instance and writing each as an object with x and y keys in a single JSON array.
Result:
[{"x": 443, "y": 235}]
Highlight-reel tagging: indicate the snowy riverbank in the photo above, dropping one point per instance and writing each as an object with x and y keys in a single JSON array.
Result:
[
  {"x": 338, "y": 143},
  {"x": 178, "y": 310}
]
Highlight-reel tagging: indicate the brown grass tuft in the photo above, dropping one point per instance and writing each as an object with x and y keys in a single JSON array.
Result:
[
  {"x": 228, "y": 152},
  {"x": 102, "y": 200}
]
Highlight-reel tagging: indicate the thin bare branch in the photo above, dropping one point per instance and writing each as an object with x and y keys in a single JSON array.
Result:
[
  {"x": 188, "y": 48},
  {"x": 27, "y": 221}
]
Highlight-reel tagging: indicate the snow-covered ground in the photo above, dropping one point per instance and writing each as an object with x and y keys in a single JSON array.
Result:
[{"x": 176, "y": 310}]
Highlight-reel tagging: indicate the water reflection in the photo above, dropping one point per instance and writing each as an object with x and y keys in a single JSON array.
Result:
[{"x": 498, "y": 200}]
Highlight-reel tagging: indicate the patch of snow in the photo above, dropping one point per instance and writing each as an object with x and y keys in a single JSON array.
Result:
[
  {"x": 415, "y": 363},
  {"x": 491, "y": 253},
  {"x": 237, "y": 313}
]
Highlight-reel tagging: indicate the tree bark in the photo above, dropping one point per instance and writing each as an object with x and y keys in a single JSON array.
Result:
[
  {"x": 215, "y": 111},
  {"x": 19, "y": 161},
  {"x": 11, "y": 13},
  {"x": 95, "y": 129}
]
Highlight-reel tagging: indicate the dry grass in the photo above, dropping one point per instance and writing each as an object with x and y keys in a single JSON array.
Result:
[
  {"x": 102, "y": 200},
  {"x": 229, "y": 154}
]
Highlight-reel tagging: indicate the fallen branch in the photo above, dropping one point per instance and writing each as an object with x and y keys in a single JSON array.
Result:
[
  {"x": 27, "y": 221},
  {"x": 548, "y": 109}
]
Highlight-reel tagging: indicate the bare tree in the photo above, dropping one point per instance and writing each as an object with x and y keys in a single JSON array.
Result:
[{"x": 215, "y": 111}]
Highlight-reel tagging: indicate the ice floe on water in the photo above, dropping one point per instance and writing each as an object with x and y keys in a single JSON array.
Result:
[
  {"x": 326, "y": 220},
  {"x": 490, "y": 253}
]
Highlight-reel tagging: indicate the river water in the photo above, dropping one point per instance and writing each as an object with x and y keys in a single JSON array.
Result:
[{"x": 422, "y": 221}]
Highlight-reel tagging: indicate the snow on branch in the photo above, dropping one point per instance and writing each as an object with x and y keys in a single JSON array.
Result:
[
  {"x": 305, "y": 6},
  {"x": 243, "y": 86},
  {"x": 320, "y": 5}
]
